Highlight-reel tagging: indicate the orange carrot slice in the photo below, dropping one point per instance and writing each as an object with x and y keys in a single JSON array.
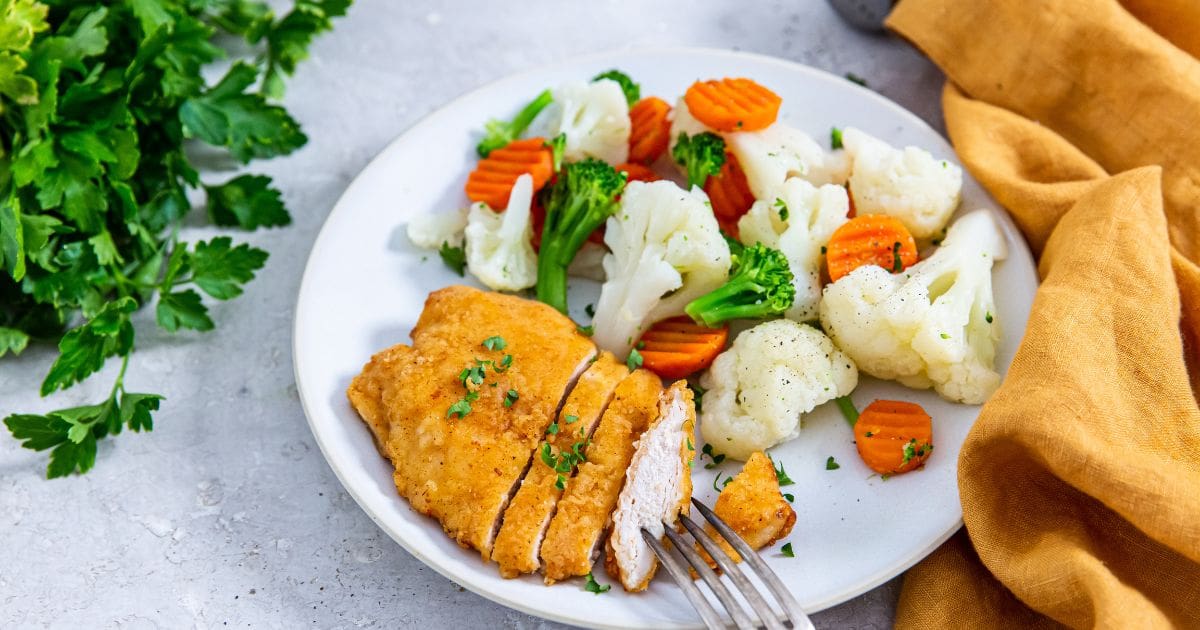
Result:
[
  {"x": 870, "y": 239},
  {"x": 677, "y": 347},
  {"x": 729, "y": 194},
  {"x": 637, "y": 172},
  {"x": 732, "y": 104},
  {"x": 493, "y": 178},
  {"x": 893, "y": 437},
  {"x": 650, "y": 132}
]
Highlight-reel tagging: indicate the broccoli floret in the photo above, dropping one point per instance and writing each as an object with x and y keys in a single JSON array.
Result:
[
  {"x": 702, "y": 155},
  {"x": 499, "y": 133},
  {"x": 582, "y": 197},
  {"x": 632, "y": 90},
  {"x": 760, "y": 285},
  {"x": 558, "y": 146}
]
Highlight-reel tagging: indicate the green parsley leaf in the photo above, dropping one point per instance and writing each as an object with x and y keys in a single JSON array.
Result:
[
  {"x": 460, "y": 408},
  {"x": 697, "y": 396},
  {"x": 12, "y": 340},
  {"x": 552, "y": 429},
  {"x": 220, "y": 270},
  {"x": 835, "y": 138},
  {"x": 944, "y": 336},
  {"x": 571, "y": 419},
  {"x": 510, "y": 398},
  {"x": 634, "y": 360},
  {"x": 248, "y": 202},
  {"x": 590, "y": 309},
  {"x": 183, "y": 309},
  {"x": 781, "y": 205},
  {"x": 897, "y": 264},
  {"x": 244, "y": 123},
  {"x": 782, "y": 476},
  {"x": 790, "y": 498},
  {"x": 987, "y": 317},
  {"x": 786, "y": 550},
  {"x": 454, "y": 257},
  {"x": 289, "y": 38},
  {"x": 831, "y": 464},
  {"x": 503, "y": 365},
  {"x": 495, "y": 342},
  {"x": 854, "y": 78},
  {"x": 83, "y": 350},
  {"x": 592, "y": 586}
]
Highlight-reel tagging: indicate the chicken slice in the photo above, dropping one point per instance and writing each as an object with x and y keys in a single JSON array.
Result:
[
  {"x": 575, "y": 532},
  {"x": 751, "y": 504},
  {"x": 529, "y": 513},
  {"x": 366, "y": 392},
  {"x": 658, "y": 487},
  {"x": 463, "y": 470}
]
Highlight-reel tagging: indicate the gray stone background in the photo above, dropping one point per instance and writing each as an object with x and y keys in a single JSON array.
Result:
[{"x": 227, "y": 515}]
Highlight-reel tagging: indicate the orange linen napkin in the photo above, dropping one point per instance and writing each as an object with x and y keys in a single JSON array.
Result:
[{"x": 1080, "y": 482}]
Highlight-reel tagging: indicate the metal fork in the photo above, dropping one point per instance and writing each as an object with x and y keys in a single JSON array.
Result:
[{"x": 761, "y": 615}]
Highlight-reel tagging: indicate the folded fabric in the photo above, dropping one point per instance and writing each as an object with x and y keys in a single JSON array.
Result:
[{"x": 1080, "y": 481}]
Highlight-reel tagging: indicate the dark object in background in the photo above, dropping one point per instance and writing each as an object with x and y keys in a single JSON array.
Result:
[{"x": 867, "y": 15}]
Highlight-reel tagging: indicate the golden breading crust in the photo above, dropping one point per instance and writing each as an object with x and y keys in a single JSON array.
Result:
[
  {"x": 366, "y": 393},
  {"x": 529, "y": 513},
  {"x": 752, "y": 506},
  {"x": 658, "y": 488},
  {"x": 462, "y": 470},
  {"x": 587, "y": 504}
]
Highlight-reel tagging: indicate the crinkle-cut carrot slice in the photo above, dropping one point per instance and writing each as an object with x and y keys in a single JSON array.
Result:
[
  {"x": 893, "y": 436},
  {"x": 676, "y": 347},
  {"x": 870, "y": 239},
  {"x": 637, "y": 172},
  {"x": 729, "y": 194},
  {"x": 732, "y": 104},
  {"x": 493, "y": 178},
  {"x": 650, "y": 130}
]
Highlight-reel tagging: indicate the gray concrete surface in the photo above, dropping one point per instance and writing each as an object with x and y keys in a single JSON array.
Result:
[{"x": 227, "y": 515}]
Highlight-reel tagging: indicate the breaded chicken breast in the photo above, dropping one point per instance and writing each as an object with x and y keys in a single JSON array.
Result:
[
  {"x": 529, "y": 513},
  {"x": 752, "y": 505},
  {"x": 461, "y": 447},
  {"x": 658, "y": 488},
  {"x": 366, "y": 393},
  {"x": 576, "y": 531}
]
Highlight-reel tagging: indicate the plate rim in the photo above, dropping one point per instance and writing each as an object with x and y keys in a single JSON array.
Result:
[{"x": 466, "y": 581}]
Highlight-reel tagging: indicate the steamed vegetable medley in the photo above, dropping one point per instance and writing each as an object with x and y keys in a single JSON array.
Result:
[{"x": 715, "y": 210}]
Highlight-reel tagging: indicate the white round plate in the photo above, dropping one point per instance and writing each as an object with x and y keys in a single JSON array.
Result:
[{"x": 365, "y": 285}]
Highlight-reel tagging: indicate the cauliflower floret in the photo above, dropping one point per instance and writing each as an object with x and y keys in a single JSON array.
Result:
[
  {"x": 798, "y": 220},
  {"x": 429, "y": 231},
  {"x": 770, "y": 156},
  {"x": 666, "y": 250},
  {"x": 759, "y": 388},
  {"x": 683, "y": 122},
  {"x": 595, "y": 118},
  {"x": 499, "y": 251},
  {"x": 934, "y": 325},
  {"x": 909, "y": 184}
]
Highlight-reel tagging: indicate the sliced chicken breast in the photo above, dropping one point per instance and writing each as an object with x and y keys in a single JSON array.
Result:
[
  {"x": 752, "y": 505},
  {"x": 460, "y": 448},
  {"x": 529, "y": 513},
  {"x": 576, "y": 531},
  {"x": 366, "y": 393},
  {"x": 658, "y": 487}
]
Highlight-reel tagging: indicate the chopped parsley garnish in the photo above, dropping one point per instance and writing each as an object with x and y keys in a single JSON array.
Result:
[
  {"x": 697, "y": 396},
  {"x": 552, "y": 429},
  {"x": 870, "y": 434},
  {"x": 561, "y": 482},
  {"x": 586, "y": 331},
  {"x": 781, "y": 205},
  {"x": 473, "y": 374},
  {"x": 787, "y": 550},
  {"x": 716, "y": 458},
  {"x": 910, "y": 451},
  {"x": 503, "y": 365},
  {"x": 590, "y": 309},
  {"x": 835, "y": 138},
  {"x": 634, "y": 360},
  {"x": 572, "y": 419},
  {"x": 831, "y": 464},
  {"x": 988, "y": 317},
  {"x": 945, "y": 336},
  {"x": 715, "y": 480},
  {"x": 854, "y": 78},
  {"x": 593, "y": 586},
  {"x": 460, "y": 408},
  {"x": 782, "y": 476},
  {"x": 897, "y": 264},
  {"x": 495, "y": 342},
  {"x": 510, "y": 398},
  {"x": 790, "y": 498},
  {"x": 454, "y": 257}
]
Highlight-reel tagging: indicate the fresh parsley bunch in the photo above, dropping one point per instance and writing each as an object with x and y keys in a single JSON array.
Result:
[{"x": 97, "y": 100}]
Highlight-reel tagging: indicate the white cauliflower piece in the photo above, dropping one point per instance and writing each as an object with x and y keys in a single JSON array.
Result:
[
  {"x": 772, "y": 155},
  {"x": 909, "y": 183},
  {"x": 683, "y": 122},
  {"x": 429, "y": 231},
  {"x": 760, "y": 388},
  {"x": 499, "y": 251},
  {"x": 665, "y": 251},
  {"x": 595, "y": 118},
  {"x": 812, "y": 214},
  {"x": 934, "y": 325}
]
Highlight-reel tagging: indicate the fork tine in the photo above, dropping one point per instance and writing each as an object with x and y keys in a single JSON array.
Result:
[
  {"x": 791, "y": 607},
  {"x": 743, "y": 584},
  {"x": 699, "y": 602},
  {"x": 740, "y": 618}
]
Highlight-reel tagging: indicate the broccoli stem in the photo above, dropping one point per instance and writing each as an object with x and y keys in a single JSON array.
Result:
[
  {"x": 500, "y": 133},
  {"x": 552, "y": 277},
  {"x": 847, "y": 407},
  {"x": 729, "y": 302},
  {"x": 530, "y": 111}
]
